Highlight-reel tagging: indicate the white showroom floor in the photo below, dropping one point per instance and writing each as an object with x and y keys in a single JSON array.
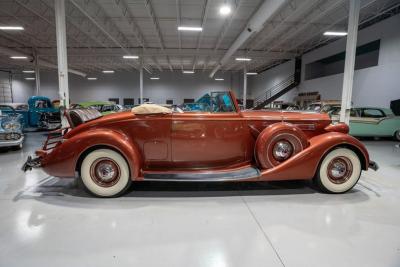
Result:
[{"x": 45, "y": 221}]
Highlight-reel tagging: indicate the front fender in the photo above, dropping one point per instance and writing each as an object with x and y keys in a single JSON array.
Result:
[
  {"x": 304, "y": 164},
  {"x": 63, "y": 160}
]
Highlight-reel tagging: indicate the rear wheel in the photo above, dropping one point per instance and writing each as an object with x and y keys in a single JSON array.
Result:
[
  {"x": 105, "y": 173},
  {"x": 339, "y": 171}
]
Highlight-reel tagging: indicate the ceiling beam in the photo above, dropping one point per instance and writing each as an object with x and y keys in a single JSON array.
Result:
[
  {"x": 156, "y": 26},
  {"x": 200, "y": 36},
  {"x": 95, "y": 13},
  {"x": 129, "y": 18},
  {"x": 265, "y": 11},
  {"x": 173, "y": 52}
]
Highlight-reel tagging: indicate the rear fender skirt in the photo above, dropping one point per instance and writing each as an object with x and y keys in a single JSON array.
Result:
[
  {"x": 62, "y": 161},
  {"x": 304, "y": 164}
]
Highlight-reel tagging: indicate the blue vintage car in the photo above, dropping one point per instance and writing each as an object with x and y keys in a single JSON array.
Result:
[
  {"x": 11, "y": 127},
  {"x": 41, "y": 114}
]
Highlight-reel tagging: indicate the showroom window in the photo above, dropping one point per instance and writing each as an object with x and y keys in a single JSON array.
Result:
[
  {"x": 188, "y": 100},
  {"x": 114, "y": 100},
  {"x": 366, "y": 56},
  {"x": 129, "y": 101}
]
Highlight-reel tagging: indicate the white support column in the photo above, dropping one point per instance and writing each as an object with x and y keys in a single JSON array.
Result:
[
  {"x": 141, "y": 83},
  {"x": 244, "y": 86},
  {"x": 59, "y": 6},
  {"x": 351, "y": 46},
  {"x": 37, "y": 74}
]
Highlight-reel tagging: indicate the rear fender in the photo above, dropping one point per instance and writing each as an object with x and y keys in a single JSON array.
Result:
[{"x": 64, "y": 160}]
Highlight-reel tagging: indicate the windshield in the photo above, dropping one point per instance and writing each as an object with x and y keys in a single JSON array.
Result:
[
  {"x": 42, "y": 103},
  {"x": 216, "y": 102}
]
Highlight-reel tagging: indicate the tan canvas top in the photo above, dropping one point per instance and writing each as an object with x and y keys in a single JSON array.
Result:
[{"x": 150, "y": 109}]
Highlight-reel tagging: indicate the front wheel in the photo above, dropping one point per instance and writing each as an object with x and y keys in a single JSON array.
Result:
[
  {"x": 339, "y": 171},
  {"x": 105, "y": 173},
  {"x": 397, "y": 135}
]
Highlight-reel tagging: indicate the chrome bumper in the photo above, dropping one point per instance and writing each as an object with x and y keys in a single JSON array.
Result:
[
  {"x": 373, "y": 165},
  {"x": 31, "y": 163},
  {"x": 8, "y": 143}
]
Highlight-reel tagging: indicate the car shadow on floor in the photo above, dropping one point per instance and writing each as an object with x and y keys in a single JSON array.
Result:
[{"x": 69, "y": 187}]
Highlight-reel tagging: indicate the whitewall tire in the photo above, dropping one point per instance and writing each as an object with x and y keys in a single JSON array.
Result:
[
  {"x": 339, "y": 171},
  {"x": 105, "y": 173}
]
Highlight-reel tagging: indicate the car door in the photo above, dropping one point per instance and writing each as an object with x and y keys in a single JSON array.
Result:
[
  {"x": 367, "y": 123},
  {"x": 209, "y": 139}
]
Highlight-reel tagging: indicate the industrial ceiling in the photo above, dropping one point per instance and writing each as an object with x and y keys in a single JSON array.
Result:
[{"x": 100, "y": 33}]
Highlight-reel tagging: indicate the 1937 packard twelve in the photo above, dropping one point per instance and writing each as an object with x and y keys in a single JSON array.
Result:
[{"x": 225, "y": 144}]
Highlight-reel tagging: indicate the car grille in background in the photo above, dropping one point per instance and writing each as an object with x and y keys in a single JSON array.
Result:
[{"x": 9, "y": 136}]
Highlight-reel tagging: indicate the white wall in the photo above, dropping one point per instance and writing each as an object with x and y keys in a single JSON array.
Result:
[
  {"x": 123, "y": 84},
  {"x": 374, "y": 86},
  {"x": 260, "y": 83}
]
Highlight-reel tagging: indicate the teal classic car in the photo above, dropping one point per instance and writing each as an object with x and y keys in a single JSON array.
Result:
[
  {"x": 39, "y": 113},
  {"x": 371, "y": 122},
  {"x": 11, "y": 126}
]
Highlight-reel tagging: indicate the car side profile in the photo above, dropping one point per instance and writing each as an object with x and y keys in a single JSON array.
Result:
[
  {"x": 372, "y": 122},
  {"x": 154, "y": 143}
]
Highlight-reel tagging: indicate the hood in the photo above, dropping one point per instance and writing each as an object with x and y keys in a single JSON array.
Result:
[{"x": 285, "y": 115}]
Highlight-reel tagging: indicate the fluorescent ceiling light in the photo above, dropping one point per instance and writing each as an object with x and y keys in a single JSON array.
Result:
[
  {"x": 219, "y": 79},
  {"x": 19, "y": 57},
  {"x": 251, "y": 73},
  {"x": 28, "y": 71},
  {"x": 154, "y": 78},
  {"x": 225, "y": 10},
  {"x": 188, "y": 28},
  {"x": 130, "y": 57},
  {"x": 30, "y": 79},
  {"x": 108, "y": 71},
  {"x": 335, "y": 33},
  {"x": 11, "y": 28},
  {"x": 242, "y": 59},
  {"x": 92, "y": 78},
  {"x": 188, "y": 71}
]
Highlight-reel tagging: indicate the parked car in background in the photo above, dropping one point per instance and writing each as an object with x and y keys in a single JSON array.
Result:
[
  {"x": 11, "y": 126},
  {"x": 323, "y": 106},
  {"x": 104, "y": 107},
  {"x": 154, "y": 143},
  {"x": 39, "y": 113},
  {"x": 371, "y": 122},
  {"x": 280, "y": 105}
]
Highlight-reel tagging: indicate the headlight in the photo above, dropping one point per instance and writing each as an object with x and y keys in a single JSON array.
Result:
[{"x": 12, "y": 126}]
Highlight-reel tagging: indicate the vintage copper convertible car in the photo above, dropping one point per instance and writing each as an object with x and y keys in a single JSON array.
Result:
[{"x": 154, "y": 143}]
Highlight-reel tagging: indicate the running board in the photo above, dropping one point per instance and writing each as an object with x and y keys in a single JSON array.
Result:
[{"x": 210, "y": 176}]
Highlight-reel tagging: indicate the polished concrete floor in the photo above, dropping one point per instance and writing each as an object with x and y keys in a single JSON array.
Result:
[{"x": 45, "y": 221}]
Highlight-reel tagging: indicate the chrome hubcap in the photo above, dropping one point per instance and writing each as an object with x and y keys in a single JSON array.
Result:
[
  {"x": 105, "y": 172},
  {"x": 339, "y": 170},
  {"x": 282, "y": 150}
]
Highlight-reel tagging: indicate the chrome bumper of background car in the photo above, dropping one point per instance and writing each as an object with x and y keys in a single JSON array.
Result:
[
  {"x": 373, "y": 165},
  {"x": 31, "y": 163},
  {"x": 9, "y": 143}
]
